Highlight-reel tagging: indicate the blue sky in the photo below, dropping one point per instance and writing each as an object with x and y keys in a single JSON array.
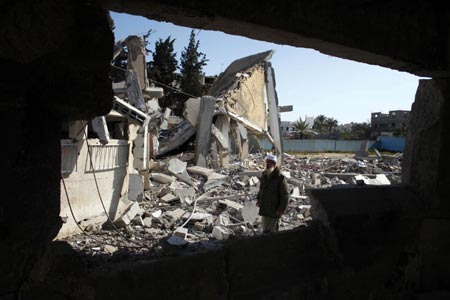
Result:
[{"x": 312, "y": 82}]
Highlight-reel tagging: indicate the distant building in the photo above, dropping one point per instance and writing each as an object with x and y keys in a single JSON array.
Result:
[
  {"x": 396, "y": 121},
  {"x": 287, "y": 128}
]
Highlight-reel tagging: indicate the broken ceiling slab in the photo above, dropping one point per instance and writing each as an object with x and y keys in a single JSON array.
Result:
[
  {"x": 175, "y": 137},
  {"x": 227, "y": 79}
]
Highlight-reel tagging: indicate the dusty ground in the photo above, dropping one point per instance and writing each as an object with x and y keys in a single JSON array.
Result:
[{"x": 324, "y": 155}]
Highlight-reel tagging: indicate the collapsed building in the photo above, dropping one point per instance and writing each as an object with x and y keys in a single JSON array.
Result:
[{"x": 111, "y": 156}]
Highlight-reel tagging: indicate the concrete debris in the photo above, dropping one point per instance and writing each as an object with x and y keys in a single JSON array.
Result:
[
  {"x": 220, "y": 233},
  {"x": 222, "y": 205},
  {"x": 161, "y": 178},
  {"x": 199, "y": 170}
]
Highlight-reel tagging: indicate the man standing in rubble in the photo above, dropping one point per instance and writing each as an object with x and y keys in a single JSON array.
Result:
[{"x": 273, "y": 195}]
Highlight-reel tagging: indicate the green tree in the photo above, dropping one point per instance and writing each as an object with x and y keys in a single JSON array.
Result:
[
  {"x": 161, "y": 70},
  {"x": 192, "y": 62},
  {"x": 319, "y": 123},
  {"x": 300, "y": 127},
  {"x": 360, "y": 131},
  {"x": 330, "y": 123}
]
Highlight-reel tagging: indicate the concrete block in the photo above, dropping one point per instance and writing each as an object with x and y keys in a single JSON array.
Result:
[
  {"x": 181, "y": 232},
  {"x": 154, "y": 92},
  {"x": 136, "y": 187},
  {"x": 177, "y": 166},
  {"x": 139, "y": 141},
  {"x": 139, "y": 153},
  {"x": 220, "y": 233}
]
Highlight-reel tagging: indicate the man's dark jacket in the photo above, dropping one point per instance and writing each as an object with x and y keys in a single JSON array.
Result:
[{"x": 273, "y": 193}]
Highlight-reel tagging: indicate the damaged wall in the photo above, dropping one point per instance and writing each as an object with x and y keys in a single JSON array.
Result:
[{"x": 247, "y": 99}]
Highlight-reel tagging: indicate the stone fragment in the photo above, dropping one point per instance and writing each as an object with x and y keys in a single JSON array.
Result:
[
  {"x": 231, "y": 204},
  {"x": 181, "y": 232},
  {"x": 126, "y": 218},
  {"x": 217, "y": 176},
  {"x": 220, "y": 233},
  {"x": 147, "y": 222},
  {"x": 186, "y": 196},
  {"x": 177, "y": 166},
  {"x": 110, "y": 249},
  {"x": 161, "y": 178},
  {"x": 169, "y": 198},
  {"x": 222, "y": 220},
  {"x": 250, "y": 212},
  {"x": 157, "y": 214}
]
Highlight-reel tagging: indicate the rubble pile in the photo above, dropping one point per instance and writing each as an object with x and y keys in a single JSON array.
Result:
[{"x": 191, "y": 207}]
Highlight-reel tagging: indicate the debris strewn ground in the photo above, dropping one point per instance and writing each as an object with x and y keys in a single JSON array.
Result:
[{"x": 192, "y": 208}]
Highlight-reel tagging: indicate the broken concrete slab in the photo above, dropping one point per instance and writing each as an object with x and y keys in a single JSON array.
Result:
[
  {"x": 200, "y": 170},
  {"x": 217, "y": 176},
  {"x": 129, "y": 215},
  {"x": 169, "y": 198},
  {"x": 181, "y": 232},
  {"x": 222, "y": 220}
]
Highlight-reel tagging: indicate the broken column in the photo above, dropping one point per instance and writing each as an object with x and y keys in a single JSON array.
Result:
[
  {"x": 244, "y": 141},
  {"x": 203, "y": 137},
  {"x": 222, "y": 137}
]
